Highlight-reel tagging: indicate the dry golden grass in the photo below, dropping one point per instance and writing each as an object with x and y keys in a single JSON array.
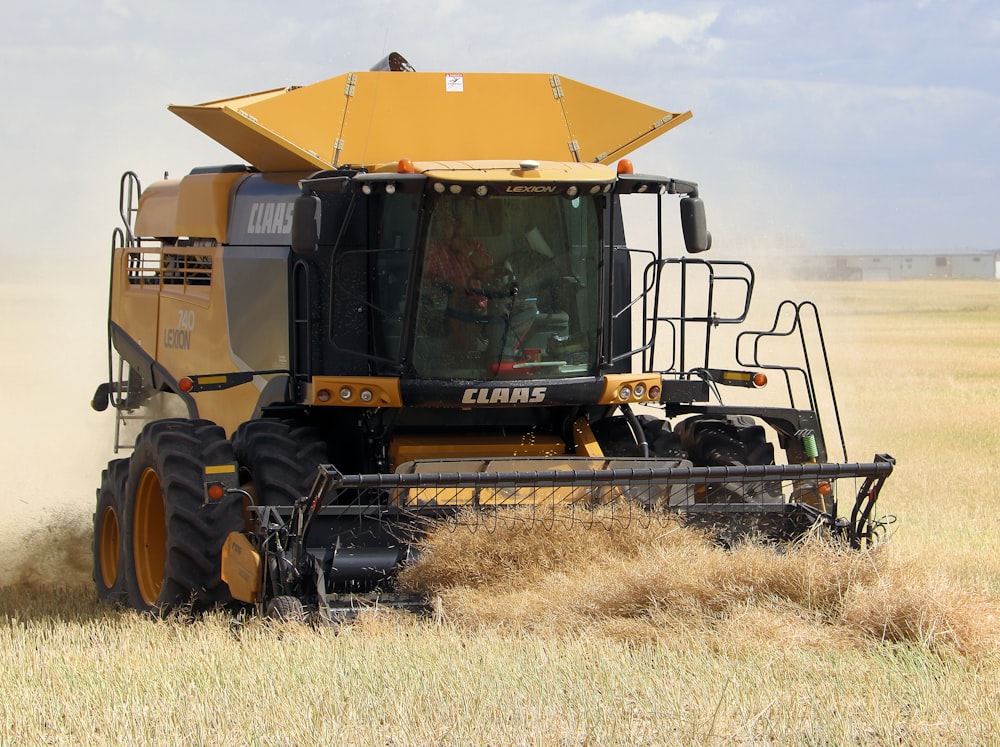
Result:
[
  {"x": 647, "y": 635},
  {"x": 919, "y": 363},
  {"x": 654, "y": 582}
]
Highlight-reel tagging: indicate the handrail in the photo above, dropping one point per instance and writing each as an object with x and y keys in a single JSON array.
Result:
[{"x": 129, "y": 192}]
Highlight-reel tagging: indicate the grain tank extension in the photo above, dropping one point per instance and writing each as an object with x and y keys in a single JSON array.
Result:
[{"x": 412, "y": 299}]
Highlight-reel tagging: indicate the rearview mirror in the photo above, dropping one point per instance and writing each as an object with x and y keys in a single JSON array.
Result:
[
  {"x": 696, "y": 235},
  {"x": 306, "y": 218}
]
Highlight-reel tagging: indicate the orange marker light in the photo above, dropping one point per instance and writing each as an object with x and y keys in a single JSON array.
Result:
[
  {"x": 405, "y": 166},
  {"x": 759, "y": 380},
  {"x": 625, "y": 167},
  {"x": 824, "y": 488},
  {"x": 186, "y": 384},
  {"x": 216, "y": 491}
]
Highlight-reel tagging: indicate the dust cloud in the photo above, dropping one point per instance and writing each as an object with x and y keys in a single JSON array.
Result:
[{"x": 54, "y": 445}]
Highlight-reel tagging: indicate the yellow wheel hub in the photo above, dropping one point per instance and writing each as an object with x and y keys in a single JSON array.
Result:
[
  {"x": 109, "y": 547},
  {"x": 149, "y": 538}
]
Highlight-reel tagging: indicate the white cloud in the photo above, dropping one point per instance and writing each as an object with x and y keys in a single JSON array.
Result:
[
  {"x": 644, "y": 29},
  {"x": 117, "y": 7},
  {"x": 992, "y": 29}
]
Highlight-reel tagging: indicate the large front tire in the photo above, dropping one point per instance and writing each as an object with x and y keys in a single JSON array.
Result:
[
  {"x": 109, "y": 556},
  {"x": 173, "y": 539}
]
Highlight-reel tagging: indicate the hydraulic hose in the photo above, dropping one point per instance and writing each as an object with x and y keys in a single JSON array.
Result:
[{"x": 637, "y": 431}]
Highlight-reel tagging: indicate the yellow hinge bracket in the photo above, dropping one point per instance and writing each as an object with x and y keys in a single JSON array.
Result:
[
  {"x": 557, "y": 91},
  {"x": 352, "y": 84}
]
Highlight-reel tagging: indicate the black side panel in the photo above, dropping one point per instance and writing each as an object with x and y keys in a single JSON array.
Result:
[
  {"x": 304, "y": 319},
  {"x": 621, "y": 296},
  {"x": 616, "y": 236},
  {"x": 256, "y": 279},
  {"x": 343, "y": 288},
  {"x": 261, "y": 212},
  {"x": 327, "y": 319},
  {"x": 620, "y": 328},
  {"x": 349, "y": 328}
]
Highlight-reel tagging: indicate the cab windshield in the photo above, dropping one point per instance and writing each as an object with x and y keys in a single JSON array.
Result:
[{"x": 509, "y": 289}]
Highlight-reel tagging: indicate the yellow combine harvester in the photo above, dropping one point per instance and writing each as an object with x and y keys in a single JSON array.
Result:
[{"x": 414, "y": 299}]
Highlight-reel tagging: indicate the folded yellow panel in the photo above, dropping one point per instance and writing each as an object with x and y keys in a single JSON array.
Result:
[
  {"x": 608, "y": 127},
  {"x": 367, "y": 118},
  {"x": 254, "y": 143}
]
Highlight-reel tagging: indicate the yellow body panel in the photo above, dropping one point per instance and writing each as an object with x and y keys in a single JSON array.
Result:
[
  {"x": 181, "y": 324},
  {"x": 203, "y": 205},
  {"x": 245, "y": 137},
  {"x": 134, "y": 305},
  {"x": 586, "y": 441},
  {"x": 444, "y": 446},
  {"x": 157, "y": 214},
  {"x": 241, "y": 568},
  {"x": 190, "y": 330},
  {"x": 367, "y": 118},
  {"x": 609, "y": 130},
  {"x": 196, "y": 206}
]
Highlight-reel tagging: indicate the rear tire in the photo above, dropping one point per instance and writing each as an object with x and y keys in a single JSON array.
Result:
[
  {"x": 722, "y": 441},
  {"x": 278, "y": 459},
  {"x": 109, "y": 556},
  {"x": 173, "y": 540}
]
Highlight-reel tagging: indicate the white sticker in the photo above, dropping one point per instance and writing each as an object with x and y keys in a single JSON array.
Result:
[{"x": 454, "y": 82}]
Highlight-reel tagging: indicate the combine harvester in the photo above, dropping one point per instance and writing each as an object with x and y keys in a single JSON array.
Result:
[{"x": 414, "y": 302}]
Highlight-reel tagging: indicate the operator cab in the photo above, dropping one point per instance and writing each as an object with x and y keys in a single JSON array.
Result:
[
  {"x": 508, "y": 289},
  {"x": 471, "y": 274}
]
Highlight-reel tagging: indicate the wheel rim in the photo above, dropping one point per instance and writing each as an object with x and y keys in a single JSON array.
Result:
[
  {"x": 149, "y": 546},
  {"x": 109, "y": 547}
]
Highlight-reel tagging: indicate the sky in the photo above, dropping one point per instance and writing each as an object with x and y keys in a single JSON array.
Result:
[{"x": 818, "y": 127}]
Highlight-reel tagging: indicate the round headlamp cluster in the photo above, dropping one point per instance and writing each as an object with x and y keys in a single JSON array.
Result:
[
  {"x": 347, "y": 395},
  {"x": 638, "y": 392}
]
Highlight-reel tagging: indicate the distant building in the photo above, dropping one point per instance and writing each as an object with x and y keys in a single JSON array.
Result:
[{"x": 981, "y": 265}]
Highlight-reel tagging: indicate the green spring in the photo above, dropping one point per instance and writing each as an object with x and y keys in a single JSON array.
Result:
[{"x": 809, "y": 445}]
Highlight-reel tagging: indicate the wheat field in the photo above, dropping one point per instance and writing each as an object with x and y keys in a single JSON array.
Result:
[{"x": 644, "y": 635}]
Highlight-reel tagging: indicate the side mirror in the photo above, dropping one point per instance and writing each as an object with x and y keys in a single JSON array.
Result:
[
  {"x": 307, "y": 216},
  {"x": 696, "y": 235}
]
